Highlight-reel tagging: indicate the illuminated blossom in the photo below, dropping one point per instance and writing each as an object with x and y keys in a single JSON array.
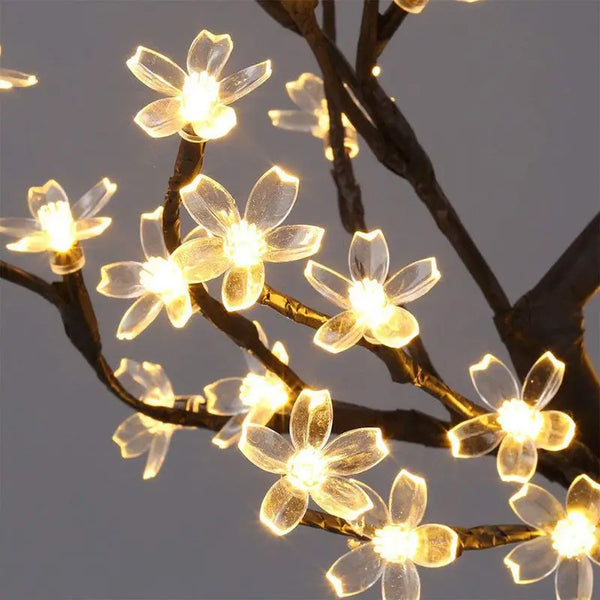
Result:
[
  {"x": 309, "y": 468},
  {"x": 397, "y": 543},
  {"x": 254, "y": 398},
  {"x": 519, "y": 425},
  {"x": 57, "y": 226},
  {"x": 239, "y": 246},
  {"x": 197, "y": 103},
  {"x": 308, "y": 94},
  {"x": 15, "y": 79},
  {"x": 370, "y": 300},
  {"x": 416, "y": 6},
  {"x": 568, "y": 538}
]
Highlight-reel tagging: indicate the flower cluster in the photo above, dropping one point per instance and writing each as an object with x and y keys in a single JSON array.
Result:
[{"x": 10, "y": 79}]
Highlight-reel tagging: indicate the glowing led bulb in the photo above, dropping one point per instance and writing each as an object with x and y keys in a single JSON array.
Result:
[
  {"x": 263, "y": 388},
  {"x": 520, "y": 420},
  {"x": 200, "y": 92},
  {"x": 369, "y": 301},
  {"x": 56, "y": 220},
  {"x": 10, "y": 79},
  {"x": 376, "y": 71},
  {"x": 163, "y": 278},
  {"x": 307, "y": 469},
  {"x": 245, "y": 245},
  {"x": 396, "y": 543},
  {"x": 574, "y": 535}
]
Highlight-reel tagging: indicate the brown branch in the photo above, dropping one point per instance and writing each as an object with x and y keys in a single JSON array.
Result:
[
  {"x": 389, "y": 22},
  {"x": 328, "y": 7},
  {"x": 28, "y": 281},
  {"x": 366, "y": 52}
]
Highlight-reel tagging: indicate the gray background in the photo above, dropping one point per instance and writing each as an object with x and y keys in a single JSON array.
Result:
[{"x": 504, "y": 95}]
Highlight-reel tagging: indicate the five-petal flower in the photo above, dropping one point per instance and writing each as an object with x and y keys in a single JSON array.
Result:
[
  {"x": 197, "y": 103},
  {"x": 370, "y": 302},
  {"x": 57, "y": 226},
  {"x": 397, "y": 543},
  {"x": 309, "y": 467},
  {"x": 308, "y": 93},
  {"x": 13, "y": 79},
  {"x": 568, "y": 538},
  {"x": 519, "y": 425},
  {"x": 240, "y": 245},
  {"x": 254, "y": 398},
  {"x": 161, "y": 280}
]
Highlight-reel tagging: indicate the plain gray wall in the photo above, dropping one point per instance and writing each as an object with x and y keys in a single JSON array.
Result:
[{"x": 503, "y": 94}]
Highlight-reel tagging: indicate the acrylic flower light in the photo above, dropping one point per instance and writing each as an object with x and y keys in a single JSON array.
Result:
[
  {"x": 241, "y": 245},
  {"x": 309, "y": 467},
  {"x": 161, "y": 280},
  {"x": 57, "y": 226},
  {"x": 308, "y": 93},
  {"x": 197, "y": 103},
  {"x": 397, "y": 543},
  {"x": 370, "y": 302},
  {"x": 139, "y": 433},
  {"x": 569, "y": 538},
  {"x": 10, "y": 79},
  {"x": 254, "y": 398},
  {"x": 416, "y": 6},
  {"x": 519, "y": 425}
]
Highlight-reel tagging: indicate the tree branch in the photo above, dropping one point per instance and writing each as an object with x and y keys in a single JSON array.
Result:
[
  {"x": 389, "y": 22},
  {"x": 366, "y": 52}
]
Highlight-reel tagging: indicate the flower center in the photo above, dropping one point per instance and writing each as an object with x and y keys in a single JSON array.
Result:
[
  {"x": 573, "y": 536},
  {"x": 307, "y": 468},
  {"x": 56, "y": 220},
  {"x": 396, "y": 543},
  {"x": 263, "y": 388},
  {"x": 163, "y": 278},
  {"x": 244, "y": 244},
  {"x": 200, "y": 93},
  {"x": 368, "y": 299},
  {"x": 520, "y": 420}
]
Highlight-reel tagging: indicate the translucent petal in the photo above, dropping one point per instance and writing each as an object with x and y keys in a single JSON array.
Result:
[
  {"x": 121, "y": 280},
  {"x": 311, "y": 419},
  {"x": 17, "y": 227},
  {"x": 355, "y": 451},
  {"x": 239, "y": 84},
  {"x": 265, "y": 448},
  {"x": 230, "y": 433},
  {"x": 341, "y": 497},
  {"x": 271, "y": 199},
  {"x": 139, "y": 315},
  {"x": 294, "y": 120},
  {"x": 260, "y": 414},
  {"x": 329, "y": 283},
  {"x": 292, "y": 242},
  {"x": 223, "y": 397},
  {"x": 412, "y": 281},
  {"x": 408, "y": 499},
  {"x": 219, "y": 122},
  {"x": 196, "y": 232},
  {"x": 574, "y": 579},
  {"x": 133, "y": 435},
  {"x": 493, "y": 381},
  {"x": 161, "y": 118},
  {"x": 476, "y": 437},
  {"x": 254, "y": 365},
  {"x": 307, "y": 92},
  {"x": 398, "y": 329},
  {"x": 595, "y": 551},
  {"x": 516, "y": 460},
  {"x": 157, "y": 71},
  {"x": 210, "y": 204},
  {"x": 94, "y": 200},
  {"x": 557, "y": 431},
  {"x": 537, "y": 507},
  {"x": 179, "y": 310},
  {"x": 376, "y": 517},
  {"x": 340, "y": 332},
  {"x": 91, "y": 227},
  {"x": 543, "y": 380},
  {"x": 201, "y": 259},
  {"x": 413, "y": 6},
  {"x": 280, "y": 352},
  {"x": 355, "y": 571},
  {"x": 10, "y": 78},
  {"x": 369, "y": 257},
  {"x": 437, "y": 545},
  {"x": 532, "y": 560},
  {"x": 584, "y": 496},
  {"x": 209, "y": 52},
  {"x": 36, "y": 242},
  {"x": 149, "y": 381},
  {"x": 242, "y": 286},
  {"x": 283, "y": 507},
  {"x": 401, "y": 582},
  {"x": 157, "y": 453},
  {"x": 151, "y": 234},
  {"x": 51, "y": 191}
]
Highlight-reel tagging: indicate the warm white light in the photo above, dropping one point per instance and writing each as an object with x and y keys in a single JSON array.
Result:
[
  {"x": 307, "y": 468},
  {"x": 56, "y": 220},
  {"x": 258, "y": 388},
  {"x": 369, "y": 301},
  {"x": 376, "y": 71},
  {"x": 573, "y": 535},
  {"x": 520, "y": 420},
  {"x": 163, "y": 278},
  {"x": 245, "y": 244},
  {"x": 396, "y": 543},
  {"x": 199, "y": 96}
]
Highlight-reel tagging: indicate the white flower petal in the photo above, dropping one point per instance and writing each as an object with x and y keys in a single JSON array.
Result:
[
  {"x": 36, "y": 242},
  {"x": 574, "y": 579},
  {"x": 377, "y": 517},
  {"x": 584, "y": 497},
  {"x": 398, "y": 329},
  {"x": 532, "y": 560},
  {"x": 437, "y": 545},
  {"x": 543, "y": 380},
  {"x": 94, "y": 200},
  {"x": 355, "y": 451},
  {"x": 223, "y": 397},
  {"x": 476, "y": 437},
  {"x": 157, "y": 453},
  {"x": 401, "y": 581},
  {"x": 369, "y": 257},
  {"x": 557, "y": 430},
  {"x": 151, "y": 234},
  {"x": 230, "y": 433},
  {"x": 265, "y": 448},
  {"x": 139, "y": 315},
  {"x": 157, "y": 71},
  {"x": 356, "y": 571},
  {"x": 341, "y": 497},
  {"x": 340, "y": 332},
  {"x": 493, "y": 381},
  {"x": 179, "y": 309},
  {"x": 9, "y": 78},
  {"x": 17, "y": 227},
  {"x": 293, "y": 120},
  {"x": 133, "y": 435},
  {"x": 242, "y": 286},
  {"x": 39, "y": 196},
  {"x": 537, "y": 507},
  {"x": 292, "y": 242},
  {"x": 209, "y": 52},
  {"x": 311, "y": 419},
  {"x": 239, "y": 84},
  {"x": 516, "y": 460},
  {"x": 201, "y": 259},
  {"x": 413, "y": 281},
  {"x": 329, "y": 283},
  {"x": 307, "y": 92},
  {"x": 121, "y": 280},
  {"x": 146, "y": 380},
  {"x": 91, "y": 227},
  {"x": 283, "y": 507},
  {"x": 161, "y": 118},
  {"x": 219, "y": 122},
  {"x": 415, "y": 6},
  {"x": 408, "y": 499}
]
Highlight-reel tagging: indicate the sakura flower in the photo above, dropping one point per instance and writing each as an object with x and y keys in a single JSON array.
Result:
[
  {"x": 12, "y": 79},
  {"x": 568, "y": 538},
  {"x": 57, "y": 226},
  {"x": 254, "y": 398},
  {"x": 370, "y": 302},
  {"x": 308, "y": 93},
  {"x": 197, "y": 103},
  {"x": 519, "y": 425},
  {"x": 139, "y": 433},
  {"x": 162, "y": 280},
  {"x": 397, "y": 543},
  {"x": 309, "y": 467},
  {"x": 416, "y": 6},
  {"x": 239, "y": 246}
]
